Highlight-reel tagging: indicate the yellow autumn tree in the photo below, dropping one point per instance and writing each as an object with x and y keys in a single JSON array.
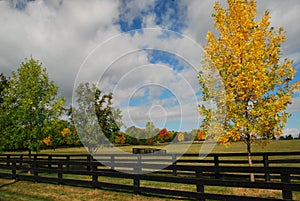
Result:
[
  {"x": 180, "y": 137},
  {"x": 258, "y": 84}
]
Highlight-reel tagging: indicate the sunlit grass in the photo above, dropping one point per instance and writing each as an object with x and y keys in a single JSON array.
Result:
[
  {"x": 29, "y": 191},
  {"x": 235, "y": 147}
]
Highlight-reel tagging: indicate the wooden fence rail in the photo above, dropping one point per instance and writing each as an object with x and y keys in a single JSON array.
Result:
[{"x": 274, "y": 171}]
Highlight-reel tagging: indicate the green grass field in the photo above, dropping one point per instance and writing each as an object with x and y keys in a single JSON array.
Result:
[
  {"x": 22, "y": 190},
  {"x": 29, "y": 191},
  {"x": 239, "y": 147}
]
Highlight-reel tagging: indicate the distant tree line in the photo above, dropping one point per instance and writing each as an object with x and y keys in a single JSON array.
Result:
[
  {"x": 288, "y": 137},
  {"x": 151, "y": 135}
]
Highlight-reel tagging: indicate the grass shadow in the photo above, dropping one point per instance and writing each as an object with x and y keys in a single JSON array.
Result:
[{"x": 8, "y": 184}]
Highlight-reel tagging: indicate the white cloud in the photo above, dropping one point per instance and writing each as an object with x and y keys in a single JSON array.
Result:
[
  {"x": 284, "y": 14},
  {"x": 138, "y": 116},
  {"x": 291, "y": 131},
  {"x": 135, "y": 8},
  {"x": 126, "y": 70},
  {"x": 63, "y": 33},
  {"x": 60, "y": 36},
  {"x": 156, "y": 78},
  {"x": 295, "y": 106},
  {"x": 199, "y": 20}
]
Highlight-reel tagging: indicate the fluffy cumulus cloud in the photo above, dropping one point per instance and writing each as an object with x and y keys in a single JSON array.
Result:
[
  {"x": 294, "y": 132},
  {"x": 59, "y": 33},
  {"x": 285, "y": 14},
  {"x": 295, "y": 106},
  {"x": 152, "y": 72}
]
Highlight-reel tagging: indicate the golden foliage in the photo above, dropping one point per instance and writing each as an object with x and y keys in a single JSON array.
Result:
[
  {"x": 47, "y": 141},
  {"x": 120, "y": 138},
  {"x": 66, "y": 132},
  {"x": 257, "y": 83},
  {"x": 180, "y": 137},
  {"x": 201, "y": 135}
]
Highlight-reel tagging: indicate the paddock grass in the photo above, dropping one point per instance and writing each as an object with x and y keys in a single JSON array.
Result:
[
  {"x": 28, "y": 191},
  {"x": 234, "y": 147}
]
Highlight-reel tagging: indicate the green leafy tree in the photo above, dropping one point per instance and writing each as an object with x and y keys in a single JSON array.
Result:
[
  {"x": 3, "y": 85},
  {"x": 109, "y": 118},
  {"x": 134, "y": 135},
  {"x": 150, "y": 130},
  {"x": 61, "y": 134},
  {"x": 120, "y": 138},
  {"x": 173, "y": 135},
  {"x": 84, "y": 117},
  {"x": 31, "y": 107},
  {"x": 97, "y": 122},
  {"x": 72, "y": 138}
]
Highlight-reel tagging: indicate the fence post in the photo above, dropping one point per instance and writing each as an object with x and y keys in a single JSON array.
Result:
[
  {"x": 287, "y": 194},
  {"x": 200, "y": 186},
  {"x": 112, "y": 162},
  {"x": 35, "y": 169},
  {"x": 21, "y": 160},
  {"x": 35, "y": 158},
  {"x": 49, "y": 161},
  {"x": 8, "y": 160},
  {"x": 14, "y": 170},
  {"x": 266, "y": 165},
  {"x": 136, "y": 184},
  {"x": 32, "y": 166},
  {"x": 68, "y": 161},
  {"x": 94, "y": 174},
  {"x": 60, "y": 174},
  {"x": 216, "y": 162},
  {"x": 174, "y": 159},
  {"x": 136, "y": 171},
  {"x": 88, "y": 159},
  {"x": 138, "y": 168}
]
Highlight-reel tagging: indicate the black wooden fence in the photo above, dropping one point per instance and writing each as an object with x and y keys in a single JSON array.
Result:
[{"x": 273, "y": 171}]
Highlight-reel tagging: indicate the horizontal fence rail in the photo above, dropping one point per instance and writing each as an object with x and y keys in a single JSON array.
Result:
[{"x": 273, "y": 171}]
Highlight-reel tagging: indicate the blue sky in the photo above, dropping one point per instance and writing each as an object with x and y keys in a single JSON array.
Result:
[{"x": 149, "y": 83}]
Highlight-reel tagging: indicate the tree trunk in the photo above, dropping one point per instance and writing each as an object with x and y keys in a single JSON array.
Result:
[{"x": 252, "y": 179}]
